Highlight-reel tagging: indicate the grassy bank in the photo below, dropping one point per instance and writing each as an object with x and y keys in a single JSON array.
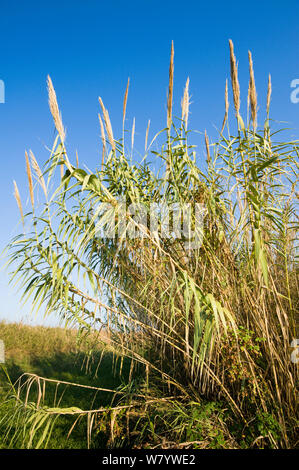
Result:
[{"x": 56, "y": 353}]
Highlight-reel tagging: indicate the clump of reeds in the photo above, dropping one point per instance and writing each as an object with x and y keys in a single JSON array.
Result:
[{"x": 216, "y": 321}]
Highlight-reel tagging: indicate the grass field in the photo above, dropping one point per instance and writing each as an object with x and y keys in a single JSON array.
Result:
[{"x": 55, "y": 353}]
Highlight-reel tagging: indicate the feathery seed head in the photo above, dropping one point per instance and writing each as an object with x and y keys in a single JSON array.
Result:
[
  {"x": 226, "y": 106},
  {"x": 55, "y": 110},
  {"x": 107, "y": 124},
  {"x": 170, "y": 88},
  {"x": 185, "y": 104},
  {"x": 38, "y": 172},
  {"x": 234, "y": 78},
  {"x": 252, "y": 92},
  {"x": 207, "y": 147},
  {"x": 146, "y": 134},
  {"x": 125, "y": 101},
  {"x": 103, "y": 140},
  {"x": 269, "y": 92},
  {"x": 18, "y": 199},
  {"x": 29, "y": 175}
]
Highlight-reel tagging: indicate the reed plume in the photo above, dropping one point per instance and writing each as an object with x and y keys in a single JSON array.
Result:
[
  {"x": 234, "y": 78},
  {"x": 38, "y": 172},
  {"x": 185, "y": 104},
  {"x": 146, "y": 134},
  {"x": 18, "y": 199},
  {"x": 29, "y": 175},
  {"x": 103, "y": 141},
  {"x": 125, "y": 101},
  {"x": 170, "y": 88},
  {"x": 107, "y": 124},
  {"x": 207, "y": 147},
  {"x": 252, "y": 92},
  {"x": 269, "y": 93},
  {"x": 55, "y": 110},
  {"x": 133, "y": 134},
  {"x": 226, "y": 106}
]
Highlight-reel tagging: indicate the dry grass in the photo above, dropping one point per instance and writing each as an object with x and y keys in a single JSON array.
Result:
[{"x": 23, "y": 340}]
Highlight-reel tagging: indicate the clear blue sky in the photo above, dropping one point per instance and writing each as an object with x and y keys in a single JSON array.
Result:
[{"x": 90, "y": 48}]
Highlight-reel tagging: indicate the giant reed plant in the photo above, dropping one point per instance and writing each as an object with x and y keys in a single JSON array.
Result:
[{"x": 215, "y": 321}]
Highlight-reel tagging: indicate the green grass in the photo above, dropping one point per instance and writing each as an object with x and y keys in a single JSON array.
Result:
[{"x": 54, "y": 353}]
